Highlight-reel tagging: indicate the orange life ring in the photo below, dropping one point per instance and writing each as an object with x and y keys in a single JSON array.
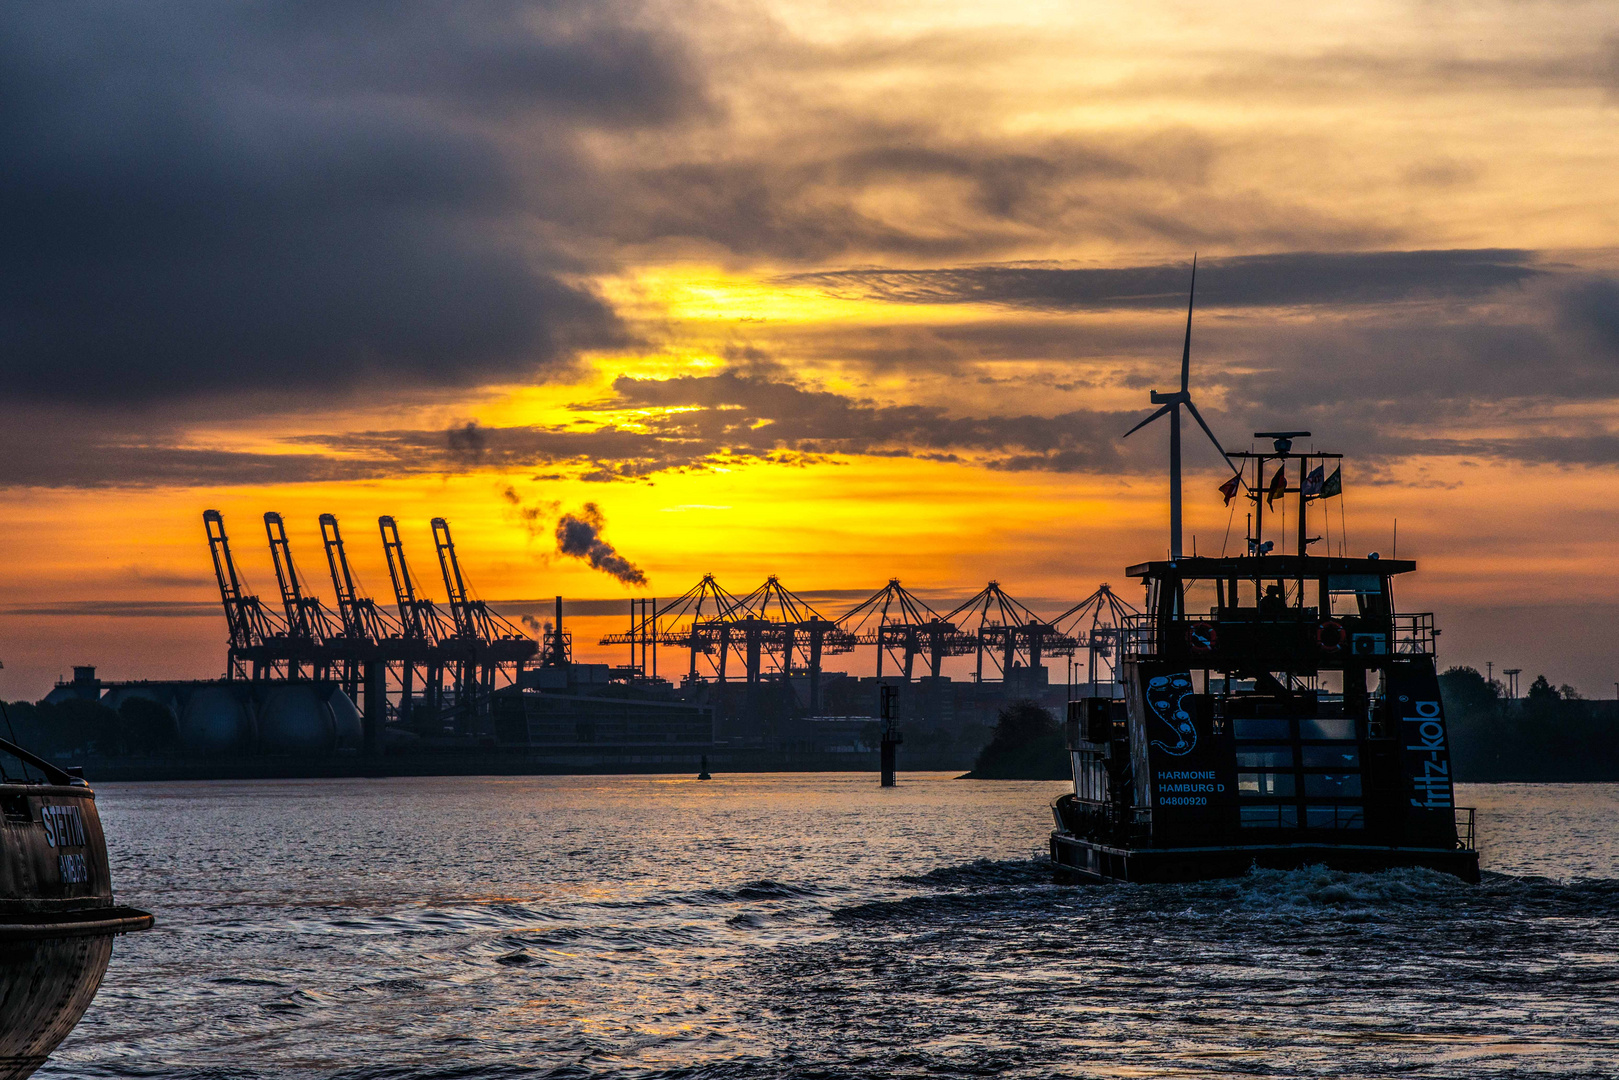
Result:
[
  {"x": 1201, "y": 637},
  {"x": 1330, "y": 636}
]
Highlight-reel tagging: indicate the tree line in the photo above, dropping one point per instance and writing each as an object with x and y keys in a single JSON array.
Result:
[
  {"x": 1550, "y": 734},
  {"x": 66, "y": 731}
]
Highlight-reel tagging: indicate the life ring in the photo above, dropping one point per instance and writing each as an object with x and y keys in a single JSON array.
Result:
[
  {"x": 1330, "y": 636},
  {"x": 1201, "y": 637}
]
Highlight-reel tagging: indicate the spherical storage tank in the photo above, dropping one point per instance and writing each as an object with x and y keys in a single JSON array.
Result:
[
  {"x": 294, "y": 719},
  {"x": 217, "y": 721},
  {"x": 350, "y": 725}
]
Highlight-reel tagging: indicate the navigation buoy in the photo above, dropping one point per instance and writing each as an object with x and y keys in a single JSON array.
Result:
[{"x": 703, "y": 775}]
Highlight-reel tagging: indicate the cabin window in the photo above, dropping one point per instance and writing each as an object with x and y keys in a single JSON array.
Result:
[
  {"x": 1332, "y": 757},
  {"x": 1200, "y": 598},
  {"x": 1333, "y": 785},
  {"x": 1265, "y": 757},
  {"x": 1256, "y": 784},
  {"x": 1334, "y": 817},
  {"x": 1270, "y": 817},
  {"x": 1268, "y": 727},
  {"x": 1354, "y": 594},
  {"x": 1328, "y": 727}
]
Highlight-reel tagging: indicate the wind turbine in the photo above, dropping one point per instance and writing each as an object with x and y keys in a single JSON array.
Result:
[{"x": 1172, "y": 408}]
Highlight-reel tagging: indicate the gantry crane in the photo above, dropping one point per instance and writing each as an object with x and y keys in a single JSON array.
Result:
[
  {"x": 696, "y": 621},
  {"x": 252, "y": 628},
  {"x": 422, "y": 629},
  {"x": 310, "y": 627},
  {"x": 1097, "y": 623},
  {"x": 491, "y": 641},
  {"x": 903, "y": 627},
  {"x": 1010, "y": 634}
]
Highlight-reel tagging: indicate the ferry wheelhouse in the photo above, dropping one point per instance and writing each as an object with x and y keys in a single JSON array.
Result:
[{"x": 1270, "y": 709}]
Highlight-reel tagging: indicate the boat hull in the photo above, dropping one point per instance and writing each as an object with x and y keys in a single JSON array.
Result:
[
  {"x": 1087, "y": 860},
  {"x": 46, "y": 984},
  {"x": 57, "y": 913}
]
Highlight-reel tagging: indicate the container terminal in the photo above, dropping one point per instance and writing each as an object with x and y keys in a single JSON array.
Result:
[{"x": 366, "y": 687}]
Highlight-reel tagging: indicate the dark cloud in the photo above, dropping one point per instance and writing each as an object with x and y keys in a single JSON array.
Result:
[
  {"x": 580, "y": 536},
  {"x": 1492, "y": 377},
  {"x": 121, "y": 609},
  {"x": 299, "y": 196},
  {"x": 1294, "y": 278},
  {"x": 466, "y": 443},
  {"x": 846, "y": 186}
]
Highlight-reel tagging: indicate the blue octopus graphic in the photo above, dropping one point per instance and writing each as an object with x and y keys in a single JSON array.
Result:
[{"x": 1167, "y": 695}]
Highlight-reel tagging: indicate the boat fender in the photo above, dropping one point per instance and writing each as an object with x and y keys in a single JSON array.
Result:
[
  {"x": 1201, "y": 637},
  {"x": 1330, "y": 636}
]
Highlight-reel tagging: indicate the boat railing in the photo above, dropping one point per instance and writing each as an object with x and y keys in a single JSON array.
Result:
[
  {"x": 1125, "y": 825},
  {"x": 1466, "y": 822},
  {"x": 1414, "y": 634},
  {"x": 1138, "y": 635}
]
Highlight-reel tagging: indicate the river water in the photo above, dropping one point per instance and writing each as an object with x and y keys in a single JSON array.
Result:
[{"x": 817, "y": 926}]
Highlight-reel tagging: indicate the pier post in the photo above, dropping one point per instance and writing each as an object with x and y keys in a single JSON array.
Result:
[{"x": 375, "y": 715}]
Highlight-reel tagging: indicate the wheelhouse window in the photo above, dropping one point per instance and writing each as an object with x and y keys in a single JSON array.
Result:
[
  {"x": 1332, "y": 785},
  {"x": 1266, "y": 727},
  {"x": 1280, "y": 816},
  {"x": 1331, "y": 757},
  {"x": 1337, "y": 728},
  {"x": 1263, "y": 784},
  {"x": 1265, "y": 757},
  {"x": 1334, "y": 817}
]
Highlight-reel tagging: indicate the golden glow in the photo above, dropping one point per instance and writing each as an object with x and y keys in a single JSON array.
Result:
[{"x": 1231, "y": 130}]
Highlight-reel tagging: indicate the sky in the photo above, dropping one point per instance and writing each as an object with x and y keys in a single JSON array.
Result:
[{"x": 838, "y": 292}]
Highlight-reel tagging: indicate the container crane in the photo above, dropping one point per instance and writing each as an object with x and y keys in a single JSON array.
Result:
[
  {"x": 1097, "y": 623},
  {"x": 1011, "y": 634},
  {"x": 362, "y": 620},
  {"x": 309, "y": 624},
  {"x": 367, "y": 630},
  {"x": 902, "y": 626},
  {"x": 493, "y": 640},
  {"x": 699, "y": 621},
  {"x": 251, "y": 627},
  {"x": 422, "y": 625},
  {"x": 781, "y": 624}
]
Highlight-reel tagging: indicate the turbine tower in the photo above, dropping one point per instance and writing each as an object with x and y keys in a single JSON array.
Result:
[{"x": 1172, "y": 408}]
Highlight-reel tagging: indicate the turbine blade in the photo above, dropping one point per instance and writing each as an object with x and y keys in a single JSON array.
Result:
[
  {"x": 1200, "y": 423},
  {"x": 1186, "y": 352},
  {"x": 1149, "y": 420}
]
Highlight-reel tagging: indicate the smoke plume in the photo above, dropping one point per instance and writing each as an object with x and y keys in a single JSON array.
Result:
[
  {"x": 535, "y": 517},
  {"x": 579, "y": 535}
]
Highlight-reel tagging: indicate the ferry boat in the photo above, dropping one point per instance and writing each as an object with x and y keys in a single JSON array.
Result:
[
  {"x": 57, "y": 913},
  {"x": 1271, "y": 709}
]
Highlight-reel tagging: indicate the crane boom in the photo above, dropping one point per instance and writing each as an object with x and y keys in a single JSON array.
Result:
[
  {"x": 455, "y": 586},
  {"x": 418, "y": 616},
  {"x": 246, "y": 618},
  {"x": 362, "y": 621},
  {"x": 299, "y": 624},
  {"x": 337, "y": 561}
]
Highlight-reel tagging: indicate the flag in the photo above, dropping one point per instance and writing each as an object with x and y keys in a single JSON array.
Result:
[
  {"x": 1334, "y": 484},
  {"x": 1313, "y": 482},
  {"x": 1278, "y": 486},
  {"x": 1229, "y": 488}
]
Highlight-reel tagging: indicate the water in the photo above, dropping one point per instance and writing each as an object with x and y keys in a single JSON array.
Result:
[{"x": 818, "y": 926}]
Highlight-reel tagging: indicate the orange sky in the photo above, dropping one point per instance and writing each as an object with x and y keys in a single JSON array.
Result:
[{"x": 822, "y": 290}]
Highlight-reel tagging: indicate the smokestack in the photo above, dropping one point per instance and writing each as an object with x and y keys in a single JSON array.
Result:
[{"x": 556, "y": 644}]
